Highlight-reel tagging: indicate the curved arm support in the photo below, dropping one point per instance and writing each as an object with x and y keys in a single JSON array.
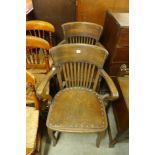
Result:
[
  {"x": 114, "y": 92},
  {"x": 42, "y": 85},
  {"x": 62, "y": 42}
]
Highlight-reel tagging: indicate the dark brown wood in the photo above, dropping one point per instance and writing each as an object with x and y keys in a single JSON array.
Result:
[
  {"x": 121, "y": 113},
  {"x": 115, "y": 39},
  {"x": 55, "y": 12}
]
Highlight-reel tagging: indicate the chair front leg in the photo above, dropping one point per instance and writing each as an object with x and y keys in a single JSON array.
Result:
[
  {"x": 100, "y": 136},
  {"x": 52, "y": 136}
]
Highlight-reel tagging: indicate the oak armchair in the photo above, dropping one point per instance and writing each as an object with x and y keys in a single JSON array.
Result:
[
  {"x": 41, "y": 29},
  {"x": 77, "y": 107},
  {"x": 82, "y": 32}
]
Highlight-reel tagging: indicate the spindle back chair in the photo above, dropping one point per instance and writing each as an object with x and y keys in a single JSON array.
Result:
[
  {"x": 82, "y": 32},
  {"x": 78, "y": 65},
  {"x": 37, "y": 54},
  {"x": 41, "y": 29},
  {"x": 77, "y": 107}
]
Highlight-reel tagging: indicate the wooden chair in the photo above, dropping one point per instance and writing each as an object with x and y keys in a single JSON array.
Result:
[
  {"x": 77, "y": 107},
  {"x": 40, "y": 29},
  {"x": 38, "y": 61},
  {"x": 32, "y": 116},
  {"x": 82, "y": 32}
]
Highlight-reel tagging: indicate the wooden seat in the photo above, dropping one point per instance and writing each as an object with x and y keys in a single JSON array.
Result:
[
  {"x": 40, "y": 29},
  {"x": 79, "y": 109}
]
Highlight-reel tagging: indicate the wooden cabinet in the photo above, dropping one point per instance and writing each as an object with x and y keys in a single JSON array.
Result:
[{"x": 115, "y": 39}]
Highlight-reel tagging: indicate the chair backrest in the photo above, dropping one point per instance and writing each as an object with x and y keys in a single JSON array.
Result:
[
  {"x": 30, "y": 89},
  {"x": 40, "y": 29},
  {"x": 37, "y": 53},
  {"x": 82, "y": 32},
  {"x": 78, "y": 64}
]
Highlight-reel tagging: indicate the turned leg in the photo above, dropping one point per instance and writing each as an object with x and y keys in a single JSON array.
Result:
[
  {"x": 52, "y": 137},
  {"x": 100, "y": 136}
]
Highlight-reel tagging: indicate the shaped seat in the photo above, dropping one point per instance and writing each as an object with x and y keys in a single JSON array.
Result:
[{"x": 81, "y": 110}]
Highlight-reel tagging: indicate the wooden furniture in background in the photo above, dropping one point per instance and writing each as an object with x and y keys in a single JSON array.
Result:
[
  {"x": 121, "y": 111},
  {"x": 77, "y": 107},
  {"x": 58, "y": 12},
  {"x": 40, "y": 29},
  {"x": 55, "y": 12},
  {"x": 38, "y": 61},
  {"x": 32, "y": 116},
  {"x": 115, "y": 39},
  {"x": 95, "y": 11}
]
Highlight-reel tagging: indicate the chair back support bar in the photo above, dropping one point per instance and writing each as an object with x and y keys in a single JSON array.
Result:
[
  {"x": 82, "y": 32},
  {"x": 79, "y": 53},
  {"x": 40, "y": 29},
  {"x": 78, "y": 64}
]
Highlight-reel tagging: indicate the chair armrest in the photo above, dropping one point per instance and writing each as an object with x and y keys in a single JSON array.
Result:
[
  {"x": 62, "y": 42},
  {"x": 114, "y": 92},
  {"x": 42, "y": 85}
]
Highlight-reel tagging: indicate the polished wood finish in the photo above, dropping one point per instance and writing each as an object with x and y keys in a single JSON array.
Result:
[
  {"x": 121, "y": 111},
  {"x": 40, "y": 29},
  {"x": 95, "y": 11},
  {"x": 34, "y": 58},
  {"x": 77, "y": 107},
  {"x": 115, "y": 39}
]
